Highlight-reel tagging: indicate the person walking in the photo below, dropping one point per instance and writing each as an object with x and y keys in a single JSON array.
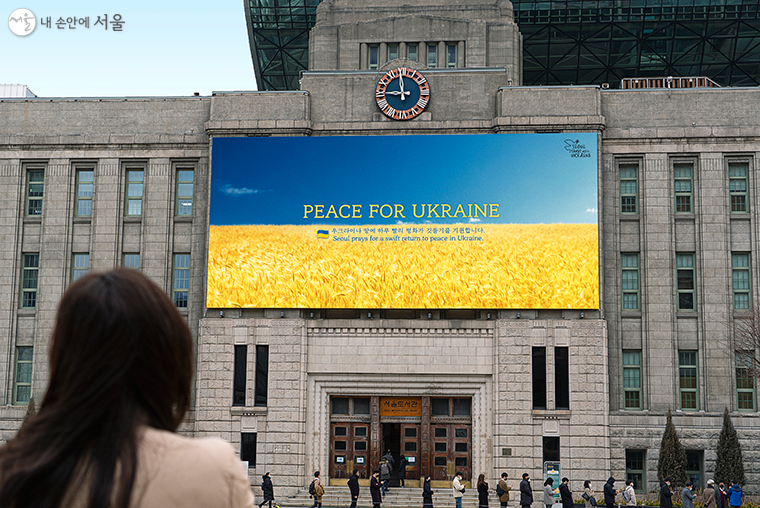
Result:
[
  {"x": 666, "y": 496},
  {"x": 482, "y": 492},
  {"x": 353, "y": 486},
  {"x": 267, "y": 489},
  {"x": 374, "y": 489},
  {"x": 385, "y": 475},
  {"x": 318, "y": 490},
  {"x": 610, "y": 493},
  {"x": 503, "y": 490},
  {"x": 629, "y": 494},
  {"x": 458, "y": 489},
  {"x": 589, "y": 496},
  {"x": 549, "y": 492},
  {"x": 402, "y": 470},
  {"x": 687, "y": 498},
  {"x": 708, "y": 495},
  {"x": 735, "y": 495},
  {"x": 427, "y": 494},
  {"x": 526, "y": 493},
  {"x": 388, "y": 457},
  {"x": 565, "y": 494}
]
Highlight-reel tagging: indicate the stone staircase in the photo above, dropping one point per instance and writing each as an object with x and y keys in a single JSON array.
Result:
[{"x": 396, "y": 497}]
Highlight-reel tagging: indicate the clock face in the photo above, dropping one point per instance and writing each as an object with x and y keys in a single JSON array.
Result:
[{"x": 402, "y": 94}]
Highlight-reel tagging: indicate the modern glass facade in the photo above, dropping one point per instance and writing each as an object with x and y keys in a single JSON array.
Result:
[{"x": 564, "y": 42}]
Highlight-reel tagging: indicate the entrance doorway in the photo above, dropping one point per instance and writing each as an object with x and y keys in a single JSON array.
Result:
[{"x": 392, "y": 442}]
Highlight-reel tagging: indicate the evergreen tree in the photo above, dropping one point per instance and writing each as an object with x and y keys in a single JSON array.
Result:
[
  {"x": 672, "y": 463},
  {"x": 729, "y": 466}
]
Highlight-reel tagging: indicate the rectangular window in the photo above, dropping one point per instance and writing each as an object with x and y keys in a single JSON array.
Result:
[
  {"x": 451, "y": 55},
  {"x": 373, "y": 55},
  {"x": 634, "y": 469},
  {"x": 131, "y": 261},
  {"x": 35, "y": 186},
  {"x": 411, "y": 51},
  {"x": 737, "y": 186},
  {"x": 248, "y": 448},
  {"x": 432, "y": 56},
  {"x": 135, "y": 192},
  {"x": 687, "y": 380},
  {"x": 392, "y": 52},
  {"x": 745, "y": 382},
  {"x": 238, "y": 376},
  {"x": 694, "y": 468},
  {"x": 84, "y": 191},
  {"x": 629, "y": 266},
  {"x": 262, "y": 375},
  {"x": 740, "y": 280},
  {"x": 561, "y": 378},
  {"x": 539, "y": 378},
  {"x": 685, "y": 277},
  {"x": 181, "y": 282},
  {"x": 185, "y": 192},
  {"x": 629, "y": 188},
  {"x": 683, "y": 175},
  {"x": 339, "y": 405},
  {"x": 632, "y": 379},
  {"x": 462, "y": 407},
  {"x": 29, "y": 279},
  {"x": 551, "y": 449},
  {"x": 80, "y": 266},
  {"x": 439, "y": 407},
  {"x": 22, "y": 389}
]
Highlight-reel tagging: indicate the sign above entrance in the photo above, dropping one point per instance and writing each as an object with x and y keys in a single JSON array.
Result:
[{"x": 401, "y": 406}]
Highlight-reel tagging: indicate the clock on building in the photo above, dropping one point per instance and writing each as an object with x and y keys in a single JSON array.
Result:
[{"x": 402, "y": 94}]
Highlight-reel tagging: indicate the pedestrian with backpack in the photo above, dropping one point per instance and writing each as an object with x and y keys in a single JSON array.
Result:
[
  {"x": 629, "y": 494},
  {"x": 385, "y": 475},
  {"x": 316, "y": 490},
  {"x": 502, "y": 490}
]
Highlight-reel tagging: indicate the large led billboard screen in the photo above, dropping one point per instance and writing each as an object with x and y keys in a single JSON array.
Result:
[{"x": 491, "y": 221}]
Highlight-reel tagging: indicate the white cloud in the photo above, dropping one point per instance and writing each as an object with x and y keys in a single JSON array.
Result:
[
  {"x": 473, "y": 219},
  {"x": 591, "y": 210},
  {"x": 238, "y": 191}
]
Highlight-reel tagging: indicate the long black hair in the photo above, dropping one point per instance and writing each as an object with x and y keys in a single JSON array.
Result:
[{"x": 121, "y": 356}]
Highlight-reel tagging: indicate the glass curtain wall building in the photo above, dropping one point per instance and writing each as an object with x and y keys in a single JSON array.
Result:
[{"x": 565, "y": 42}]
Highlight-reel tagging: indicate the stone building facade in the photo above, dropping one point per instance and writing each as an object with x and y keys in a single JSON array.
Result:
[{"x": 91, "y": 183}]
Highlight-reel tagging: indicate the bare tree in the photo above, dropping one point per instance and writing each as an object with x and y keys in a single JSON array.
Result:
[{"x": 745, "y": 341}]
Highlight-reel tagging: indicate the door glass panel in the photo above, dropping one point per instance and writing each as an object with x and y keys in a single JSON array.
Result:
[
  {"x": 360, "y": 446},
  {"x": 440, "y": 447},
  {"x": 410, "y": 432},
  {"x": 460, "y": 462},
  {"x": 440, "y": 432},
  {"x": 460, "y": 433},
  {"x": 440, "y": 461},
  {"x": 410, "y": 447},
  {"x": 360, "y": 431},
  {"x": 340, "y": 431},
  {"x": 460, "y": 447},
  {"x": 340, "y": 445}
]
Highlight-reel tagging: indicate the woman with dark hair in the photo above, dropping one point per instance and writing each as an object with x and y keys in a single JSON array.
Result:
[
  {"x": 121, "y": 368},
  {"x": 549, "y": 492},
  {"x": 482, "y": 492},
  {"x": 427, "y": 494}
]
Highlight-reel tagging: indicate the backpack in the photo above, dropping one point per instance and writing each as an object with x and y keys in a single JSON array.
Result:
[
  {"x": 499, "y": 491},
  {"x": 626, "y": 496},
  {"x": 311, "y": 488}
]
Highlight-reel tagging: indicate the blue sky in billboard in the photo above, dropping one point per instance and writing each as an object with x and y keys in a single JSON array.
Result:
[{"x": 534, "y": 178}]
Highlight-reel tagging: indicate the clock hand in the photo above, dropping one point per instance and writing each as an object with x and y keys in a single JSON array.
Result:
[{"x": 401, "y": 85}]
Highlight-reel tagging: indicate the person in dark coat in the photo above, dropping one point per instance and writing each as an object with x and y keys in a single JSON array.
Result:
[
  {"x": 721, "y": 496},
  {"x": 565, "y": 494},
  {"x": 402, "y": 469},
  {"x": 427, "y": 494},
  {"x": 526, "y": 493},
  {"x": 610, "y": 493},
  {"x": 666, "y": 496},
  {"x": 268, "y": 489},
  {"x": 482, "y": 492},
  {"x": 374, "y": 489},
  {"x": 353, "y": 486}
]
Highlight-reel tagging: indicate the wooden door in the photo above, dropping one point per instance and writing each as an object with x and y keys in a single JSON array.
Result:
[
  {"x": 410, "y": 447},
  {"x": 451, "y": 451},
  {"x": 349, "y": 449}
]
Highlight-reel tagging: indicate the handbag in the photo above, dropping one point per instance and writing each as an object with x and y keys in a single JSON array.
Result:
[{"x": 586, "y": 496}]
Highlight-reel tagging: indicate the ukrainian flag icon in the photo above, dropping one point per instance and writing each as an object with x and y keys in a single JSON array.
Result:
[{"x": 323, "y": 233}]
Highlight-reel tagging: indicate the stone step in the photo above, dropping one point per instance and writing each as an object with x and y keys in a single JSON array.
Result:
[{"x": 396, "y": 497}]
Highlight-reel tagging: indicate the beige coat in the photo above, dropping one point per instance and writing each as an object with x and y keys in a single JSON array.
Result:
[
  {"x": 504, "y": 498},
  {"x": 179, "y": 472}
]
